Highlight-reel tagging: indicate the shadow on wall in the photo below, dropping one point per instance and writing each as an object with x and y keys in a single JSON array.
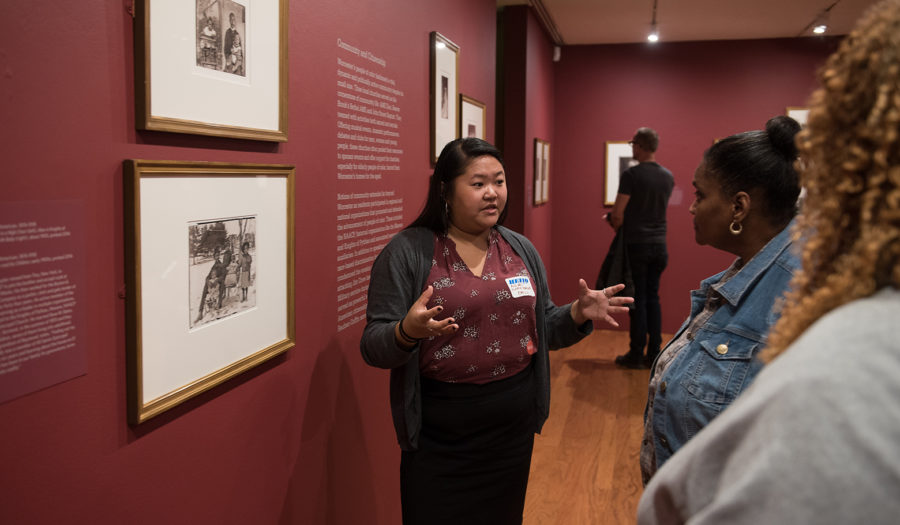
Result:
[{"x": 332, "y": 476}]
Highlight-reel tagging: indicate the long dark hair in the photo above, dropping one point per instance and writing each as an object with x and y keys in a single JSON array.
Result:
[
  {"x": 453, "y": 161},
  {"x": 763, "y": 161}
]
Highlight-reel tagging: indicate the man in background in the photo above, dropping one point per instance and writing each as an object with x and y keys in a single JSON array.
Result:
[{"x": 640, "y": 209}]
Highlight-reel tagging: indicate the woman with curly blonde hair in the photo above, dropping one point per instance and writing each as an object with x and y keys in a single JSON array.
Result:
[
  {"x": 815, "y": 438},
  {"x": 852, "y": 177}
]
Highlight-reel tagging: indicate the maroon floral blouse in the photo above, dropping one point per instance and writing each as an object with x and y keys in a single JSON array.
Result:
[{"x": 494, "y": 311}]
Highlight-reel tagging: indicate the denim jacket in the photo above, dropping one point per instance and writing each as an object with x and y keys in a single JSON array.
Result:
[{"x": 720, "y": 360}]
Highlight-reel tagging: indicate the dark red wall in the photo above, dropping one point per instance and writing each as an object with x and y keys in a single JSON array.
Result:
[
  {"x": 692, "y": 94},
  {"x": 305, "y": 438},
  {"x": 539, "y": 124},
  {"x": 526, "y": 73}
]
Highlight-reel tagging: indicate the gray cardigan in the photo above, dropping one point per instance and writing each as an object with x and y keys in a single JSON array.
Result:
[{"x": 399, "y": 276}]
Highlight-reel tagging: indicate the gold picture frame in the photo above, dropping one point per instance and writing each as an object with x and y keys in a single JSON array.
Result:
[
  {"x": 444, "y": 90},
  {"x": 472, "y": 117},
  {"x": 209, "y": 260},
  {"x": 194, "y": 61}
]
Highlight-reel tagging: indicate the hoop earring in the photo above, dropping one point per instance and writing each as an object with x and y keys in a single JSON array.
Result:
[{"x": 735, "y": 228}]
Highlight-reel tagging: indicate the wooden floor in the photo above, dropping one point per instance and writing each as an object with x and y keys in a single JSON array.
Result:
[{"x": 585, "y": 464}]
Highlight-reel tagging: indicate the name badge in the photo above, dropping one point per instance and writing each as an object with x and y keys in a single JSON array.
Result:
[{"x": 520, "y": 287}]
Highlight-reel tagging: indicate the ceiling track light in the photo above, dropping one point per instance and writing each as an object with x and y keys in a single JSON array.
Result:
[
  {"x": 819, "y": 25},
  {"x": 654, "y": 30}
]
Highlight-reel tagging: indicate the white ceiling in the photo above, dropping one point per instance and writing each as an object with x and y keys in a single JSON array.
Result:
[{"x": 625, "y": 21}]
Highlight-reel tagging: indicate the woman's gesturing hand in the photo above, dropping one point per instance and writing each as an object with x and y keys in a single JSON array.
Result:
[
  {"x": 420, "y": 321},
  {"x": 599, "y": 305}
]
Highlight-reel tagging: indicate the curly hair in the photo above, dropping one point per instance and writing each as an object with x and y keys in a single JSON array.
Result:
[{"x": 849, "y": 225}]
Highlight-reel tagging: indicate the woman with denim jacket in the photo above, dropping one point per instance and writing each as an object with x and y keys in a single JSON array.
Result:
[
  {"x": 746, "y": 192},
  {"x": 814, "y": 439}
]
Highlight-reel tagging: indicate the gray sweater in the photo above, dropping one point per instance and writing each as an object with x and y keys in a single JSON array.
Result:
[
  {"x": 815, "y": 439},
  {"x": 399, "y": 276}
]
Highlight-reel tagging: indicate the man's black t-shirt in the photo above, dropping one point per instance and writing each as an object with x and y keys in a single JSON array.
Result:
[{"x": 649, "y": 187}]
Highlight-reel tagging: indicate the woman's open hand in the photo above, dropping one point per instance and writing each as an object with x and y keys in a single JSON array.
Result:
[
  {"x": 598, "y": 305},
  {"x": 420, "y": 321}
]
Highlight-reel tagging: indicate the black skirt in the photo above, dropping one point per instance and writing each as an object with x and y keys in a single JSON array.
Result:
[{"x": 474, "y": 453}]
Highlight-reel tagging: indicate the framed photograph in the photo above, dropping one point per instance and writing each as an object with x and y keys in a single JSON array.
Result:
[
  {"x": 472, "y": 117},
  {"x": 799, "y": 114},
  {"x": 538, "y": 172},
  {"x": 444, "y": 92},
  {"x": 209, "y": 258},
  {"x": 212, "y": 67},
  {"x": 618, "y": 159},
  {"x": 541, "y": 171},
  {"x": 545, "y": 172}
]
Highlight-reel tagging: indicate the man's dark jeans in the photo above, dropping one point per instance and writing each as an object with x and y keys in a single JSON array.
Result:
[{"x": 647, "y": 263}]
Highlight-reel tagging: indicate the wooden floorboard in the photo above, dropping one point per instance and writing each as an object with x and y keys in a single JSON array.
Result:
[{"x": 584, "y": 469}]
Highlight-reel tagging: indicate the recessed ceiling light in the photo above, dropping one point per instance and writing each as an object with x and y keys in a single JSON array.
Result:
[{"x": 654, "y": 32}]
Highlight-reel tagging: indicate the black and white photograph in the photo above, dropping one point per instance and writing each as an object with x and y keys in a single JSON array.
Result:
[
  {"x": 545, "y": 175},
  {"x": 209, "y": 248},
  {"x": 212, "y": 67},
  {"x": 618, "y": 159},
  {"x": 472, "y": 117},
  {"x": 444, "y": 93},
  {"x": 625, "y": 163},
  {"x": 541, "y": 171},
  {"x": 538, "y": 172},
  {"x": 222, "y": 270},
  {"x": 222, "y": 36}
]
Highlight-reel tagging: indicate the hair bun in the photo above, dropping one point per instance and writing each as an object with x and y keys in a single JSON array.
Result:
[{"x": 782, "y": 130}]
